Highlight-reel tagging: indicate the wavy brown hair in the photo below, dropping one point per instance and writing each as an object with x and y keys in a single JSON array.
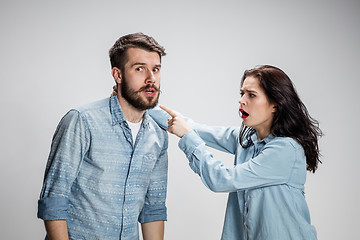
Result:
[
  {"x": 291, "y": 118},
  {"x": 117, "y": 52}
]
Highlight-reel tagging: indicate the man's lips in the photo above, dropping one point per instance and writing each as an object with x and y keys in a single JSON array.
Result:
[
  {"x": 150, "y": 91},
  {"x": 243, "y": 113}
]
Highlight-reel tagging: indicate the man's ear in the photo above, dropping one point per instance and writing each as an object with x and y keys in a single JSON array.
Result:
[{"x": 116, "y": 73}]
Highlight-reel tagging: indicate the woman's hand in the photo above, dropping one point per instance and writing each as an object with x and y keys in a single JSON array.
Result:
[
  {"x": 114, "y": 93},
  {"x": 177, "y": 124}
]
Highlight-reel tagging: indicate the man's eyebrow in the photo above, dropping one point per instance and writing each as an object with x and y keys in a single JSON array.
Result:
[
  {"x": 138, "y": 63},
  {"x": 144, "y": 64}
]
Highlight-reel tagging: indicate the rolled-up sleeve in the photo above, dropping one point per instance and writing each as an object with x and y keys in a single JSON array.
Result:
[
  {"x": 155, "y": 201},
  {"x": 68, "y": 148},
  {"x": 53, "y": 208}
]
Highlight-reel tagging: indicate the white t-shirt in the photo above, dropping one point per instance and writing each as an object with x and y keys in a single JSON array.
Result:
[{"x": 135, "y": 127}]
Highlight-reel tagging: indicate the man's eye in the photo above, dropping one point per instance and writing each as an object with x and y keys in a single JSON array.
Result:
[
  {"x": 156, "y": 70},
  {"x": 139, "y": 69}
]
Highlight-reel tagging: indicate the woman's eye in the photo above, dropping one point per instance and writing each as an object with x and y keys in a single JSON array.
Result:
[
  {"x": 252, "y": 95},
  {"x": 139, "y": 69},
  {"x": 156, "y": 70}
]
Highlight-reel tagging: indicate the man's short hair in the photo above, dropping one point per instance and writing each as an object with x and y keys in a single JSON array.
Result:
[{"x": 117, "y": 53}]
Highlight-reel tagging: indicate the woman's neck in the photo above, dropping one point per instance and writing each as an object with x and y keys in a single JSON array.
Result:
[{"x": 261, "y": 134}]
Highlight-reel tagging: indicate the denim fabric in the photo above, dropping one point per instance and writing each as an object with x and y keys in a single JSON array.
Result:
[
  {"x": 99, "y": 179},
  {"x": 265, "y": 185}
]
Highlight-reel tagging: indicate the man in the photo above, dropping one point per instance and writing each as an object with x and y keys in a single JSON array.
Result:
[{"x": 107, "y": 168}]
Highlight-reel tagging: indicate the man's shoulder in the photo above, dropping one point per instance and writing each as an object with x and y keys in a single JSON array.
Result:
[
  {"x": 93, "y": 106},
  {"x": 159, "y": 131},
  {"x": 97, "y": 111}
]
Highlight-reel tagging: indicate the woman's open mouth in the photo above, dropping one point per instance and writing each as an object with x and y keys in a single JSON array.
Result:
[{"x": 243, "y": 113}]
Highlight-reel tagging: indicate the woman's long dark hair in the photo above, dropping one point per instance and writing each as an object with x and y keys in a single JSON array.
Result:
[{"x": 291, "y": 118}]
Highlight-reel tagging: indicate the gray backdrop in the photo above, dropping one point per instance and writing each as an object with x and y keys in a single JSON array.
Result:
[{"x": 53, "y": 57}]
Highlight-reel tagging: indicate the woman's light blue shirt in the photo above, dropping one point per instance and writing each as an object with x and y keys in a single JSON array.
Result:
[{"x": 266, "y": 184}]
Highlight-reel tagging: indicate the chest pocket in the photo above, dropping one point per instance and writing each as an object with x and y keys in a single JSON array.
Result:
[{"x": 148, "y": 163}]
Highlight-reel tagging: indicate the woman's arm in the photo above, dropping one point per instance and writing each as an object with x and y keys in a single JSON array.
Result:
[
  {"x": 221, "y": 138},
  {"x": 272, "y": 166}
]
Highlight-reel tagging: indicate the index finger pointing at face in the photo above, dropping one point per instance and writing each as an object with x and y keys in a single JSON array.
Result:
[{"x": 168, "y": 110}]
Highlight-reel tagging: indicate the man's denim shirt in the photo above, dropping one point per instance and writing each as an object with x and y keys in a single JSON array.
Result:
[{"x": 99, "y": 180}]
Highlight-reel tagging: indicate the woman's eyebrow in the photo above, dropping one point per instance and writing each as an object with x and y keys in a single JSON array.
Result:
[{"x": 248, "y": 90}]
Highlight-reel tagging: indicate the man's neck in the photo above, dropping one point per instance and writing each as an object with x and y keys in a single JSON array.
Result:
[{"x": 131, "y": 113}]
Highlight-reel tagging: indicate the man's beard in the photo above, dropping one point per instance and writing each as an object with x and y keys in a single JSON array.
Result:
[{"x": 134, "y": 98}]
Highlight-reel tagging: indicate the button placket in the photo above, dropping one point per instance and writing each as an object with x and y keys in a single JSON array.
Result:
[{"x": 246, "y": 214}]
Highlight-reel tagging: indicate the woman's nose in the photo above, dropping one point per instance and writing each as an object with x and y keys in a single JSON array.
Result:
[{"x": 241, "y": 101}]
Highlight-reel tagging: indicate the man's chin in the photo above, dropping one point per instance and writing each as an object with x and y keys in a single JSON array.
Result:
[
  {"x": 145, "y": 105},
  {"x": 152, "y": 105},
  {"x": 151, "y": 102},
  {"x": 141, "y": 102}
]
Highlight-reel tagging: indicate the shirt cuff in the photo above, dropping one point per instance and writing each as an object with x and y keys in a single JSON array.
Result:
[
  {"x": 153, "y": 212},
  {"x": 53, "y": 208},
  {"x": 189, "y": 142}
]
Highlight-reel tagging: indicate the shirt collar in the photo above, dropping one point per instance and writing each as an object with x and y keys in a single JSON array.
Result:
[
  {"x": 255, "y": 140},
  {"x": 117, "y": 114}
]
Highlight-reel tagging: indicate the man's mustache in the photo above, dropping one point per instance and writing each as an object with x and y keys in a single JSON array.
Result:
[{"x": 149, "y": 86}]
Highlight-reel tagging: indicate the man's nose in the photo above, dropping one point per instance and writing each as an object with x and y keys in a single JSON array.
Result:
[{"x": 150, "y": 78}]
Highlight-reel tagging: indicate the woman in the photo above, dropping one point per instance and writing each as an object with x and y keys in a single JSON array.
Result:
[{"x": 276, "y": 144}]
